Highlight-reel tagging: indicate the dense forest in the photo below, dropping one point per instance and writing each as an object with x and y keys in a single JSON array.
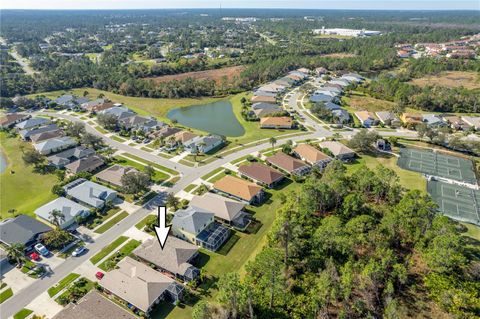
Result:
[
  {"x": 58, "y": 48},
  {"x": 355, "y": 246}
]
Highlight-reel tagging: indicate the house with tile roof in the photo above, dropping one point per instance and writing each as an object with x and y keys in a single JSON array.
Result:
[
  {"x": 139, "y": 285},
  {"x": 388, "y": 118},
  {"x": 281, "y": 122},
  {"x": 239, "y": 189},
  {"x": 40, "y": 137},
  {"x": 312, "y": 156},
  {"x": 85, "y": 164},
  {"x": 366, "y": 118},
  {"x": 264, "y": 99},
  {"x": 10, "y": 119},
  {"x": 261, "y": 174},
  {"x": 288, "y": 164},
  {"x": 175, "y": 257},
  {"x": 338, "y": 150},
  {"x": 113, "y": 175}
]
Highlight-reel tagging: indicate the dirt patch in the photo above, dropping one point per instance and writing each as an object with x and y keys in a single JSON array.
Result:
[
  {"x": 469, "y": 80},
  {"x": 338, "y": 55},
  {"x": 216, "y": 75}
]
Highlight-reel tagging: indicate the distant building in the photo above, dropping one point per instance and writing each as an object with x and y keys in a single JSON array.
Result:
[{"x": 347, "y": 32}]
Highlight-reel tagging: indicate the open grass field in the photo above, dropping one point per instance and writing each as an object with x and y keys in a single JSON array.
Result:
[
  {"x": 215, "y": 74},
  {"x": 245, "y": 249},
  {"x": 108, "y": 249},
  {"x": 142, "y": 105},
  {"x": 21, "y": 188},
  {"x": 22, "y": 314},
  {"x": 338, "y": 55},
  {"x": 408, "y": 179},
  {"x": 469, "y": 80},
  {"x": 109, "y": 224},
  {"x": 359, "y": 102},
  {"x": 52, "y": 291}
]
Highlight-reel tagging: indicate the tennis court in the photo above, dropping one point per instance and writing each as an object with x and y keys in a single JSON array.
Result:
[
  {"x": 455, "y": 201},
  {"x": 437, "y": 164}
]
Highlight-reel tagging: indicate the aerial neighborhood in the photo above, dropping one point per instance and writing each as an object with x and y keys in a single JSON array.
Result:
[{"x": 239, "y": 163}]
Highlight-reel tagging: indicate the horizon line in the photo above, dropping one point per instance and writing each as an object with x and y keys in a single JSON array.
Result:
[{"x": 236, "y": 8}]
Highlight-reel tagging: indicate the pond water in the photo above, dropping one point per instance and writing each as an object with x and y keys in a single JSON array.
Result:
[
  {"x": 216, "y": 118},
  {"x": 3, "y": 162}
]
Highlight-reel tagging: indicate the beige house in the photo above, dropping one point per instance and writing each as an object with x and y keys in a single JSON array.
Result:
[{"x": 311, "y": 155}]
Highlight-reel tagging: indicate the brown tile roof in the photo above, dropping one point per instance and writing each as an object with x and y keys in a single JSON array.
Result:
[
  {"x": 101, "y": 107},
  {"x": 45, "y": 136},
  {"x": 261, "y": 173},
  {"x": 265, "y": 99},
  {"x": 93, "y": 306},
  {"x": 184, "y": 136},
  {"x": 310, "y": 153},
  {"x": 364, "y": 115},
  {"x": 276, "y": 121},
  {"x": 12, "y": 118},
  {"x": 113, "y": 174},
  {"x": 285, "y": 162},
  {"x": 238, "y": 187},
  {"x": 86, "y": 164}
]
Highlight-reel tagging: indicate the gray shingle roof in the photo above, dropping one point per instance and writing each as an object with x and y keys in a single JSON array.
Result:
[
  {"x": 48, "y": 128},
  {"x": 54, "y": 144},
  {"x": 192, "y": 220},
  {"x": 88, "y": 192},
  {"x": 69, "y": 208},
  {"x": 32, "y": 122},
  {"x": 21, "y": 229}
]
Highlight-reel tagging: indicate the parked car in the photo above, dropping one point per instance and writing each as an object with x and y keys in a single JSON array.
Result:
[
  {"x": 99, "y": 275},
  {"x": 42, "y": 250},
  {"x": 147, "y": 140},
  {"x": 34, "y": 256},
  {"x": 78, "y": 251}
]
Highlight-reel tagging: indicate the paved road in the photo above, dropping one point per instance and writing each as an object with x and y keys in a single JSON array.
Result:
[
  {"x": 23, "y": 63},
  {"x": 189, "y": 174}
]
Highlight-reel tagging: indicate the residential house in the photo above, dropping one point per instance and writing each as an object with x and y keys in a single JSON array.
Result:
[
  {"x": 225, "y": 209},
  {"x": 120, "y": 112},
  {"x": 273, "y": 87},
  {"x": 97, "y": 107},
  {"x": 311, "y": 155},
  {"x": 331, "y": 106},
  {"x": 264, "y": 99},
  {"x": 175, "y": 257},
  {"x": 332, "y": 93},
  {"x": 339, "y": 81},
  {"x": 366, "y": 118},
  {"x": 433, "y": 120},
  {"x": 23, "y": 230},
  {"x": 32, "y": 123},
  {"x": 203, "y": 144},
  {"x": 456, "y": 122},
  {"x": 239, "y": 189},
  {"x": 26, "y": 134},
  {"x": 341, "y": 116},
  {"x": 353, "y": 77},
  {"x": 281, "y": 122},
  {"x": 285, "y": 81},
  {"x": 94, "y": 306},
  {"x": 113, "y": 174},
  {"x": 70, "y": 101},
  {"x": 388, "y": 118},
  {"x": 90, "y": 105},
  {"x": 85, "y": 164},
  {"x": 338, "y": 150},
  {"x": 137, "y": 122},
  {"x": 61, "y": 159},
  {"x": 261, "y": 105},
  {"x": 90, "y": 193},
  {"x": 199, "y": 228},
  {"x": 54, "y": 145},
  {"x": 139, "y": 285},
  {"x": 184, "y": 136},
  {"x": 320, "y": 71},
  {"x": 333, "y": 88},
  {"x": 267, "y": 110},
  {"x": 164, "y": 132},
  {"x": 288, "y": 164},
  {"x": 264, "y": 93},
  {"x": 67, "y": 207},
  {"x": 40, "y": 137},
  {"x": 473, "y": 121},
  {"x": 320, "y": 97},
  {"x": 262, "y": 174},
  {"x": 10, "y": 119},
  {"x": 411, "y": 118}
]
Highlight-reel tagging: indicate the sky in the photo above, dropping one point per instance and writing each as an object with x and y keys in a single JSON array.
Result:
[{"x": 297, "y": 4}]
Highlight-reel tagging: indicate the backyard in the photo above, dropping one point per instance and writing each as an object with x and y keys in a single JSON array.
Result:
[{"x": 26, "y": 190}]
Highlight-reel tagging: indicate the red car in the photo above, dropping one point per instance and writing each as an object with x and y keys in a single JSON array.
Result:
[
  {"x": 34, "y": 256},
  {"x": 99, "y": 275}
]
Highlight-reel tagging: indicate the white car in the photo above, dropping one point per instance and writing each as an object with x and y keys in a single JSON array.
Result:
[
  {"x": 42, "y": 250},
  {"x": 78, "y": 251}
]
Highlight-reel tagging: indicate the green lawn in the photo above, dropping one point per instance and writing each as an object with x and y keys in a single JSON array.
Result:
[
  {"x": 101, "y": 218},
  {"x": 22, "y": 314},
  {"x": 408, "y": 179},
  {"x": 144, "y": 221},
  {"x": 126, "y": 250},
  {"x": 157, "y": 177},
  {"x": 160, "y": 167},
  {"x": 109, "y": 224},
  {"x": 83, "y": 289},
  {"x": 210, "y": 174},
  {"x": 6, "y": 294},
  {"x": 472, "y": 231},
  {"x": 108, "y": 249},
  {"x": 21, "y": 189},
  {"x": 117, "y": 138},
  {"x": 52, "y": 291},
  {"x": 189, "y": 188},
  {"x": 143, "y": 106},
  {"x": 245, "y": 249}
]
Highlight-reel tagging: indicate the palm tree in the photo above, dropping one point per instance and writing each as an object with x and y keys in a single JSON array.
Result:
[
  {"x": 16, "y": 252},
  {"x": 56, "y": 217},
  {"x": 273, "y": 141}
]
